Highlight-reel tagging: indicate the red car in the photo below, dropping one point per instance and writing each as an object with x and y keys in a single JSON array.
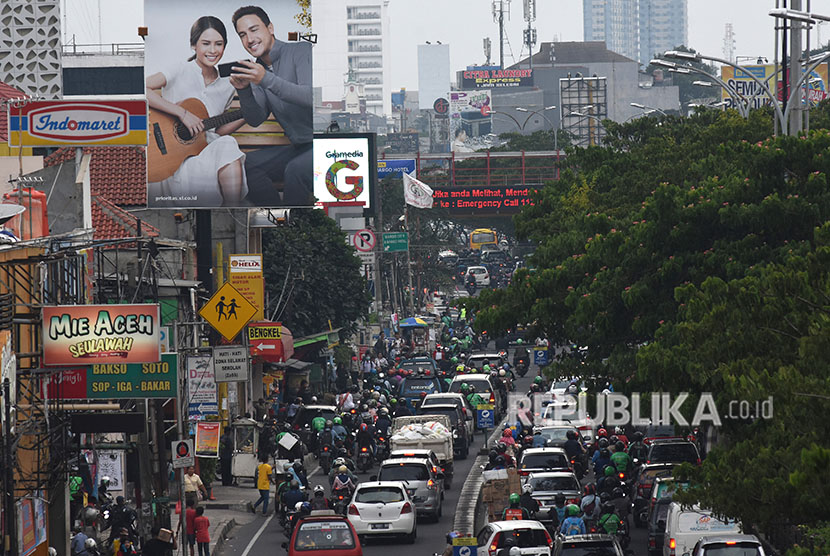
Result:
[{"x": 324, "y": 533}]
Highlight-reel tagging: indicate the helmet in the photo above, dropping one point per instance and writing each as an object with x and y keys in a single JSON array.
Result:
[
  {"x": 638, "y": 436},
  {"x": 376, "y": 395},
  {"x": 342, "y": 469},
  {"x": 52, "y": 551},
  {"x": 617, "y": 492},
  {"x": 507, "y": 432},
  {"x": 337, "y": 421},
  {"x": 602, "y": 443},
  {"x": 572, "y": 389},
  {"x": 465, "y": 387},
  {"x": 613, "y": 440},
  {"x": 89, "y": 543},
  {"x": 364, "y": 407},
  {"x": 619, "y": 446},
  {"x": 527, "y": 487},
  {"x": 329, "y": 423},
  {"x": 534, "y": 388},
  {"x": 514, "y": 498},
  {"x": 472, "y": 388},
  {"x": 602, "y": 433},
  {"x": 298, "y": 506},
  {"x": 501, "y": 447},
  {"x": 364, "y": 427},
  {"x": 618, "y": 430},
  {"x": 590, "y": 488},
  {"x": 373, "y": 403},
  {"x": 519, "y": 341},
  {"x": 609, "y": 470},
  {"x": 384, "y": 411},
  {"x": 572, "y": 510},
  {"x": 319, "y": 489},
  {"x": 559, "y": 499},
  {"x": 305, "y": 508},
  {"x": 537, "y": 380},
  {"x": 454, "y": 359},
  {"x": 486, "y": 368},
  {"x": 338, "y": 462},
  {"x": 571, "y": 435},
  {"x": 605, "y": 453},
  {"x": 393, "y": 401},
  {"x": 313, "y": 399},
  {"x": 294, "y": 484},
  {"x": 502, "y": 372},
  {"x": 607, "y": 508},
  {"x": 500, "y": 460},
  {"x": 105, "y": 481}
]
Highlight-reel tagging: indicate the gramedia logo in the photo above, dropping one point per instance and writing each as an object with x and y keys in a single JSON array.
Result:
[{"x": 355, "y": 181}]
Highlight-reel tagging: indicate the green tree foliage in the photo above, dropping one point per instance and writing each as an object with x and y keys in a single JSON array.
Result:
[
  {"x": 692, "y": 255},
  {"x": 312, "y": 277}
]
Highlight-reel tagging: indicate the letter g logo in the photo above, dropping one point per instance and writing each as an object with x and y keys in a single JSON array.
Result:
[{"x": 355, "y": 181}]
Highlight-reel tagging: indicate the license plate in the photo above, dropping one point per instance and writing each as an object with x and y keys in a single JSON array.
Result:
[{"x": 380, "y": 526}]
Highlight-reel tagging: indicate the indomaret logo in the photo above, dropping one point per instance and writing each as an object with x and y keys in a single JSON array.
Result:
[{"x": 78, "y": 122}]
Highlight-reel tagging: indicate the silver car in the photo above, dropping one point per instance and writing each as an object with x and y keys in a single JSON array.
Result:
[{"x": 424, "y": 486}]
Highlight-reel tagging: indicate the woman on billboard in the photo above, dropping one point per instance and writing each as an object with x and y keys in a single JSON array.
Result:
[{"x": 191, "y": 155}]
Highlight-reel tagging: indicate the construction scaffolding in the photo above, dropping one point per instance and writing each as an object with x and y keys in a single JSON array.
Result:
[{"x": 584, "y": 104}]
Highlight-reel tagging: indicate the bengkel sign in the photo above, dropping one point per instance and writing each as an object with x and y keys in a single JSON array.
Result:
[
  {"x": 99, "y": 334},
  {"x": 61, "y": 122}
]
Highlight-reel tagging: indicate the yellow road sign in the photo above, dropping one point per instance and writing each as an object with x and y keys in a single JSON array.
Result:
[{"x": 228, "y": 311}]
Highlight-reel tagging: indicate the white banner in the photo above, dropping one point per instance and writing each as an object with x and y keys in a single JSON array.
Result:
[{"x": 416, "y": 193}]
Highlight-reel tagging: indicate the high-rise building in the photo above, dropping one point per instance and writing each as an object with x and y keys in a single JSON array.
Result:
[
  {"x": 353, "y": 41},
  {"x": 637, "y": 29}
]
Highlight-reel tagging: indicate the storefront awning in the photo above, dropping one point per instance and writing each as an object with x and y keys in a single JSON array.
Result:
[{"x": 330, "y": 337}]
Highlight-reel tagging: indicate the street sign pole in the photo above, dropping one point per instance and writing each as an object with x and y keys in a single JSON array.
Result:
[
  {"x": 181, "y": 404},
  {"x": 409, "y": 263}
]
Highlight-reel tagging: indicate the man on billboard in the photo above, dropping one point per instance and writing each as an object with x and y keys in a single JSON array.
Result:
[{"x": 279, "y": 83}]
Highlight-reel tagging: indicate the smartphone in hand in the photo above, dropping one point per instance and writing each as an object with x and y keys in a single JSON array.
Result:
[{"x": 225, "y": 69}]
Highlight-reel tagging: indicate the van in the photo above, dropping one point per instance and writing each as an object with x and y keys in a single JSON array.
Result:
[
  {"x": 424, "y": 486},
  {"x": 686, "y": 526}
]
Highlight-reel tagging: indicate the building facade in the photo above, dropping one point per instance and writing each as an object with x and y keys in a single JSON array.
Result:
[
  {"x": 636, "y": 29},
  {"x": 353, "y": 39}
]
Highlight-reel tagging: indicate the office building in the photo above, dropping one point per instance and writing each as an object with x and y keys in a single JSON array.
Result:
[{"x": 664, "y": 26}]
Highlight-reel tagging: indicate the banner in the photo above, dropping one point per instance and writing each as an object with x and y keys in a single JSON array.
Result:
[
  {"x": 31, "y": 523},
  {"x": 207, "y": 440},
  {"x": 201, "y": 388},
  {"x": 255, "y": 149},
  {"x": 245, "y": 274},
  {"x": 85, "y": 334},
  {"x": 416, "y": 193},
  {"x": 741, "y": 80},
  {"x": 488, "y": 77},
  {"x": 345, "y": 169},
  {"x": 116, "y": 381},
  {"x": 469, "y": 114}
]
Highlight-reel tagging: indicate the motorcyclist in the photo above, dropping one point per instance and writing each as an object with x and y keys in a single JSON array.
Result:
[
  {"x": 293, "y": 495},
  {"x": 521, "y": 354},
  {"x": 365, "y": 438},
  {"x": 507, "y": 437},
  {"x": 637, "y": 450},
  {"x": 474, "y": 399},
  {"x": 528, "y": 502},
  {"x": 338, "y": 430},
  {"x": 514, "y": 510},
  {"x": 620, "y": 432},
  {"x": 608, "y": 520},
  {"x": 343, "y": 481},
  {"x": 383, "y": 422},
  {"x": 335, "y": 469},
  {"x": 326, "y": 436},
  {"x": 402, "y": 409},
  {"x": 590, "y": 504},
  {"x": 319, "y": 500},
  {"x": 602, "y": 444},
  {"x": 573, "y": 448},
  {"x": 602, "y": 461},
  {"x": 573, "y": 524},
  {"x": 621, "y": 460},
  {"x": 121, "y": 516},
  {"x": 609, "y": 481},
  {"x": 300, "y": 473},
  {"x": 558, "y": 510}
]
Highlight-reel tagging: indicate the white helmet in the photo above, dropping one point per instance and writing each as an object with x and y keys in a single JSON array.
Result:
[
  {"x": 528, "y": 488},
  {"x": 502, "y": 372},
  {"x": 338, "y": 462},
  {"x": 313, "y": 399},
  {"x": 319, "y": 488},
  {"x": 52, "y": 551},
  {"x": 298, "y": 506},
  {"x": 89, "y": 543}
]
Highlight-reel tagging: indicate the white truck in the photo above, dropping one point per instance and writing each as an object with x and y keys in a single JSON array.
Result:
[{"x": 417, "y": 433}]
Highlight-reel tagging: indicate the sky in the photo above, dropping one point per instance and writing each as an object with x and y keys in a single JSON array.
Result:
[{"x": 463, "y": 24}]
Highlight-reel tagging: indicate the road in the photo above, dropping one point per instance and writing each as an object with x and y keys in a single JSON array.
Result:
[{"x": 264, "y": 536}]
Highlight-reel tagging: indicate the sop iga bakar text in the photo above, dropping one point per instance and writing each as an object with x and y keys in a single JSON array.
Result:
[{"x": 105, "y": 329}]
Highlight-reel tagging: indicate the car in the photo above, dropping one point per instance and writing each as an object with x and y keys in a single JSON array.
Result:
[
  {"x": 324, "y": 533},
  {"x": 535, "y": 460},
  {"x": 664, "y": 488},
  {"x": 686, "y": 526},
  {"x": 556, "y": 435},
  {"x": 481, "y": 275},
  {"x": 458, "y": 400},
  {"x": 476, "y": 360},
  {"x": 423, "y": 484},
  {"x": 672, "y": 450},
  {"x": 413, "y": 388},
  {"x": 587, "y": 545},
  {"x": 460, "y": 439},
  {"x": 657, "y": 526},
  {"x": 301, "y": 424},
  {"x": 383, "y": 508},
  {"x": 419, "y": 453},
  {"x": 421, "y": 365},
  {"x": 532, "y": 538},
  {"x": 729, "y": 545},
  {"x": 641, "y": 491},
  {"x": 547, "y": 485},
  {"x": 484, "y": 388}
]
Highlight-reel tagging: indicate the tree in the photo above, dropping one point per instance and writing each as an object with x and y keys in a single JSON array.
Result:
[{"x": 312, "y": 277}]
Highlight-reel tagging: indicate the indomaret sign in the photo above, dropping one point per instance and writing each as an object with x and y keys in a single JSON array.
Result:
[{"x": 97, "y": 334}]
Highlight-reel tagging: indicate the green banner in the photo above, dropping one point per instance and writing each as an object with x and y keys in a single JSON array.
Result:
[{"x": 134, "y": 380}]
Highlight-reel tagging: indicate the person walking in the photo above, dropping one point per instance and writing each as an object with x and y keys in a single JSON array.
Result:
[
  {"x": 263, "y": 484},
  {"x": 225, "y": 458},
  {"x": 193, "y": 485},
  {"x": 202, "y": 524}
]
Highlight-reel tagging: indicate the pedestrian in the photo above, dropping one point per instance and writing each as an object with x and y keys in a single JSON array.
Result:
[
  {"x": 163, "y": 543},
  {"x": 190, "y": 526},
  {"x": 78, "y": 547},
  {"x": 193, "y": 485},
  {"x": 225, "y": 458},
  {"x": 263, "y": 484},
  {"x": 202, "y": 525}
]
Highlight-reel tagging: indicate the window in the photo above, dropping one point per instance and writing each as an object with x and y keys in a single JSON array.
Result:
[
  {"x": 545, "y": 484},
  {"x": 484, "y": 536},
  {"x": 675, "y": 453},
  {"x": 525, "y": 538},
  {"x": 598, "y": 548},
  {"x": 404, "y": 472},
  {"x": 417, "y": 385},
  {"x": 544, "y": 461},
  {"x": 324, "y": 535},
  {"x": 451, "y": 413},
  {"x": 737, "y": 549},
  {"x": 379, "y": 495}
]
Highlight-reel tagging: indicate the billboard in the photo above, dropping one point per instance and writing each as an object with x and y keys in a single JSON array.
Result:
[
  {"x": 469, "y": 201},
  {"x": 57, "y": 123},
  {"x": 468, "y": 111},
  {"x": 345, "y": 169},
  {"x": 741, "y": 81},
  {"x": 231, "y": 103},
  {"x": 395, "y": 167},
  {"x": 116, "y": 381},
  {"x": 98, "y": 334},
  {"x": 488, "y": 78},
  {"x": 245, "y": 274}
]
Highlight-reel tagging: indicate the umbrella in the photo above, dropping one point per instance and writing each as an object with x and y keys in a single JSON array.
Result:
[{"x": 413, "y": 322}]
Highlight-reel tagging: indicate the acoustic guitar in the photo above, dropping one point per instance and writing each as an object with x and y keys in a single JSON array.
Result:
[{"x": 170, "y": 142}]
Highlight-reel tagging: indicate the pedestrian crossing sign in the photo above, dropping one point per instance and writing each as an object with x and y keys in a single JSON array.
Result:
[{"x": 228, "y": 311}]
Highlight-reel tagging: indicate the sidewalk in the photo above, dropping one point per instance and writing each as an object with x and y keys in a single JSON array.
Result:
[{"x": 229, "y": 510}]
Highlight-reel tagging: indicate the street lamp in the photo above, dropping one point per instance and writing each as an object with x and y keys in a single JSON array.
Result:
[
  {"x": 703, "y": 83},
  {"x": 530, "y": 114},
  {"x": 647, "y": 109}
]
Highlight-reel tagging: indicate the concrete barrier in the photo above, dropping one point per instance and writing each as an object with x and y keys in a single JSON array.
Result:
[{"x": 469, "y": 513}]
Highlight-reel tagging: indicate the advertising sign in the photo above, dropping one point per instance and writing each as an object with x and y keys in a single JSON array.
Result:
[
  {"x": 395, "y": 168},
  {"x": 201, "y": 388},
  {"x": 116, "y": 381},
  {"x": 85, "y": 334},
  {"x": 483, "y": 200},
  {"x": 31, "y": 523},
  {"x": 345, "y": 169},
  {"x": 245, "y": 274},
  {"x": 469, "y": 106},
  {"x": 230, "y": 363},
  {"x": 207, "y": 440},
  {"x": 265, "y": 340},
  {"x": 481, "y": 78},
  {"x": 111, "y": 464},
  {"x": 255, "y": 149},
  {"x": 228, "y": 311},
  {"x": 816, "y": 88},
  {"x": 401, "y": 143},
  {"x": 57, "y": 123}
]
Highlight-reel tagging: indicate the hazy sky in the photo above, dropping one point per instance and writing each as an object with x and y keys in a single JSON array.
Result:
[{"x": 464, "y": 23}]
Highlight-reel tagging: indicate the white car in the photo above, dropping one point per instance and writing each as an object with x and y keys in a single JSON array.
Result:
[
  {"x": 481, "y": 275},
  {"x": 531, "y": 537},
  {"x": 383, "y": 508}
]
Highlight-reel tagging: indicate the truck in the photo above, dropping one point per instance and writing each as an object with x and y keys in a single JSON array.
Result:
[{"x": 440, "y": 445}]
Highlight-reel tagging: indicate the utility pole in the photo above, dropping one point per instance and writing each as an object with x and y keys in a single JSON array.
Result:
[
  {"x": 409, "y": 262},
  {"x": 499, "y": 9},
  {"x": 796, "y": 123}
]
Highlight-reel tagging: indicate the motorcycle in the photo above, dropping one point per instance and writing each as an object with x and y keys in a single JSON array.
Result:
[
  {"x": 325, "y": 458},
  {"x": 522, "y": 367},
  {"x": 341, "y": 497},
  {"x": 382, "y": 450},
  {"x": 364, "y": 459}
]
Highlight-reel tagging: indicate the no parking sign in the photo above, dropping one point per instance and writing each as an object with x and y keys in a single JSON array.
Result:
[{"x": 464, "y": 546}]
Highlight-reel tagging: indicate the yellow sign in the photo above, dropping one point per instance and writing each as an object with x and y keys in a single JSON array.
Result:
[
  {"x": 228, "y": 311},
  {"x": 464, "y": 541},
  {"x": 265, "y": 332},
  {"x": 485, "y": 406},
  {"x": 245, "y": 274}
]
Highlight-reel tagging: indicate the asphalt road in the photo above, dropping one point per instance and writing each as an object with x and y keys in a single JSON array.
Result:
[{"x": 264, "y": 535}]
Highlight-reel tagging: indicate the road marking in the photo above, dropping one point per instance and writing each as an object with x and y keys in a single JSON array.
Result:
[{"x": 258, "y": 533}]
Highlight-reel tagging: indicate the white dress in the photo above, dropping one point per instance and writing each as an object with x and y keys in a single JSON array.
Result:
[{"x": 196, "y": 182}]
